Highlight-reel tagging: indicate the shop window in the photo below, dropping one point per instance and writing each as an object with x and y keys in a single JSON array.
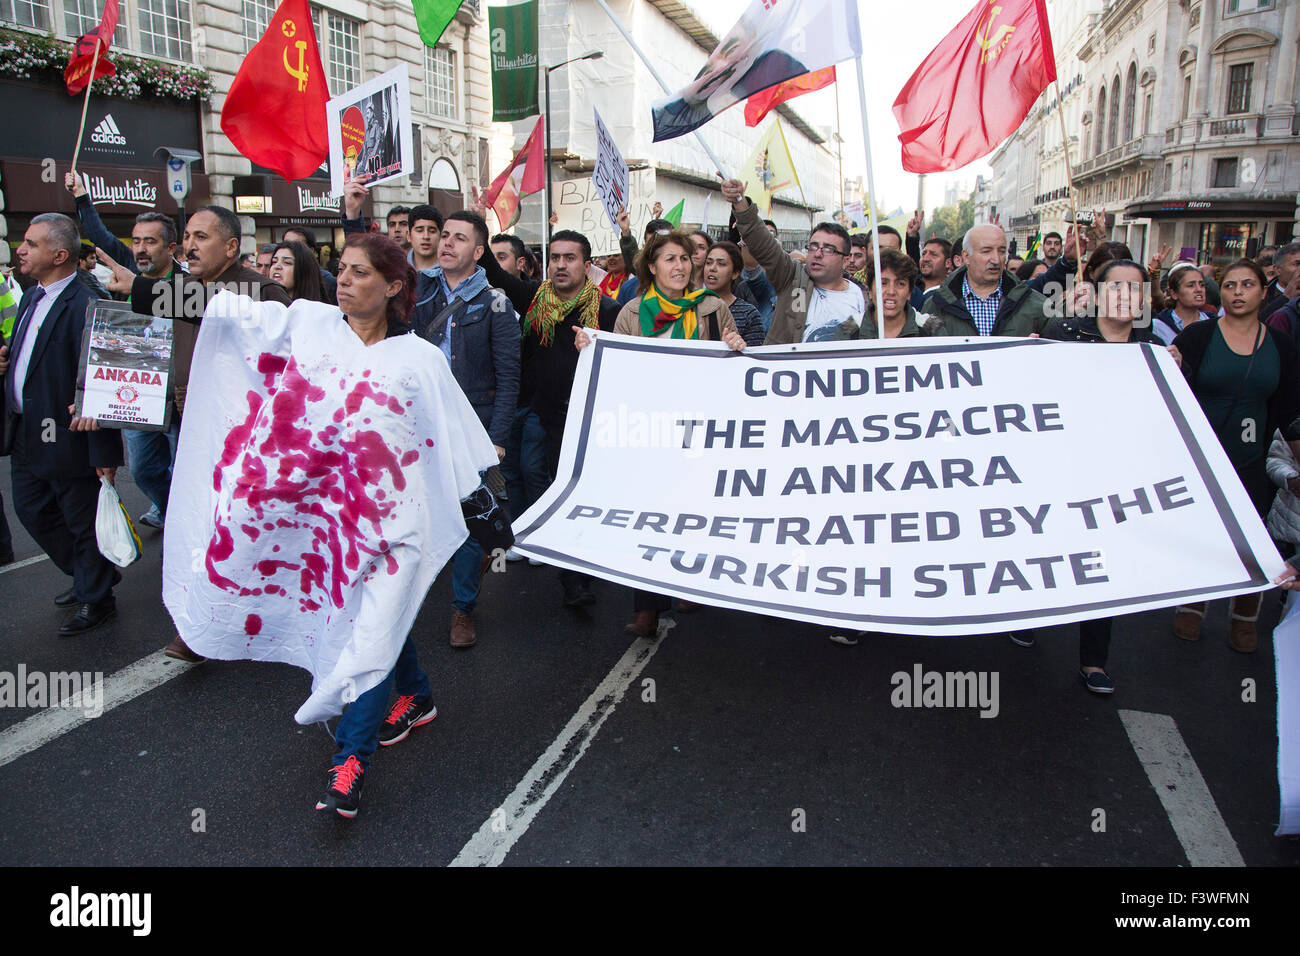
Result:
[
  {"x": 1225, "y": 173},
  {"x": 1239, "y": 77}
]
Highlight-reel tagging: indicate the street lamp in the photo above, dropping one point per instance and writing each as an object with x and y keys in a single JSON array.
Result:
[{"x": 546, "y": 212}]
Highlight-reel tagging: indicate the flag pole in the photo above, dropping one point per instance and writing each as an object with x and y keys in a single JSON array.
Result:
[
  {"x": 871, "y": 204},
  {"x": 713, "y": 158},
  {"x": 1069, "y": 182},
  {"x": 94, "y": 63}
]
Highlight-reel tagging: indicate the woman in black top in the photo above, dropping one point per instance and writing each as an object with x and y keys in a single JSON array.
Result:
[
  {"x": 1244, "y": 374},
  {"x": 1119, "y": 284}
]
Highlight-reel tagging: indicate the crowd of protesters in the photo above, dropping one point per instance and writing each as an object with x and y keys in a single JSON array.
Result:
[{"x": 511, "y": 333}]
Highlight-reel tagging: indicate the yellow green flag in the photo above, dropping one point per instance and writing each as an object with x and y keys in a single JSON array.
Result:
[{"x": 770, "y": 169}]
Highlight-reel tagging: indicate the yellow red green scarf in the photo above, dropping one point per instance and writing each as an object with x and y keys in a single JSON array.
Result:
[
  {"x": 658, "y": 313},
  {"x": 547, "y": 310}
]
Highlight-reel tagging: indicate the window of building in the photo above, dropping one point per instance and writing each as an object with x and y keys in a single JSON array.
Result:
[
  {"x": 1146, "y": 115},
  {"x": 1130, "y": 100},
  {"x": 1101, "y": 121},
  {"x": 165, "y": 28},
  {"x": 1169, "y": 177},
  {"x": 82, "y": 16},
  {"x": 257, "y": 17},
  {"x": 1225, "y": 173},
  {"x": 1246, "y": 6},
  {"x": 339, "y": 39},
  {"x": 26, "y": 13},
  {"x": 1112, "y": 122},
  {"x": 440, "y": 82},
  {"x": 1187, "y": 96},
  {"x": 1239, "y": 78}
]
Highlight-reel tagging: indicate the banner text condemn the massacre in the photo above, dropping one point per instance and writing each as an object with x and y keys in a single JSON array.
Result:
[{"x": 661, "y": 532}]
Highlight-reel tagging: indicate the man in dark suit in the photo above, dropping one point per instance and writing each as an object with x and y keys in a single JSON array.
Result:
[{"x": 54, "y": 468}]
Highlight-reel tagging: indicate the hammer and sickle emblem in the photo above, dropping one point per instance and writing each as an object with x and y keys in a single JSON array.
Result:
[
  {"x": 992, "y": 40},
  {"x": 299, "y": 74}
]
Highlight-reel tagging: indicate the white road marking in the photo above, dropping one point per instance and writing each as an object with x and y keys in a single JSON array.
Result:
[
  {"x": 23, "y": 563},
  {"x": 53, "y": 722},
  {"x": 1178, "y": 783},
  {"x": 506, "y": 824}
]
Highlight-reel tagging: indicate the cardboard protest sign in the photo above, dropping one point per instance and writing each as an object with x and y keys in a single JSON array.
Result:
[
  {"x": 126, "y": 365},
  {"x": 611, "y": 174},
  {"x": 578, "y": 206},
  {"x": 369, "y": 130}
]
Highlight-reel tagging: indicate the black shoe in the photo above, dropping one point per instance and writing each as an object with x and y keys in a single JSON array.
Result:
[
  {"x": 1023, "y": 638},
  {"x": 576, "y": 594},
  {"x": 406, "y": 714},
  {"x": 343, "y": 794},
  {"x": 67, "y": 598},
  {"x": 89, "y": 617},
  {"x": 1098, "y": 682}
]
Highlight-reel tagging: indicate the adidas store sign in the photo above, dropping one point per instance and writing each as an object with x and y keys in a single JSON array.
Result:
[{"x": 108, "y": 133}]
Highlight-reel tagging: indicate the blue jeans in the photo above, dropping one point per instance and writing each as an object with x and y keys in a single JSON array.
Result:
[
  {"x": 466, "y": 573},
  {"x": 150, "y": 456},
  {"x": 524, "y": 467},
  {"x": 357, "y": 734}
]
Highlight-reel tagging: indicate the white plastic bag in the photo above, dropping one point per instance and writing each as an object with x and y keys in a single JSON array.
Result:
[{"x": 113, "y": 530}]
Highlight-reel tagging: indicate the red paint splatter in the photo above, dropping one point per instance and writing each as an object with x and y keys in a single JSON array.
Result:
[
  {"x": 288, "y": 465},
  {"x": 429, "y": 442},
  {"x": 252, "y": 624}
]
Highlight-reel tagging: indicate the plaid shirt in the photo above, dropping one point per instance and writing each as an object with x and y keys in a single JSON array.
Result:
[{"x": 983, "y": 311}]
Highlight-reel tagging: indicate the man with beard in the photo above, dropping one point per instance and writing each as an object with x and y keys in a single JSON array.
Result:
[{"x": 551, "y": 311}]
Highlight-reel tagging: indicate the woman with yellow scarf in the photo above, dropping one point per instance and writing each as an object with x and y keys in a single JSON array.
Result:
[{"x": 667, "y": 309}]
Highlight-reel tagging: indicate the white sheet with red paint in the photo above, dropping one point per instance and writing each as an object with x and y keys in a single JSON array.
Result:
[{"x": 316, "y": 493}]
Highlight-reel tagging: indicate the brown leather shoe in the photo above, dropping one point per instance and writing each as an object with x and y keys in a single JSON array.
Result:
[
  {"x": 1187, "y": 621},
  {"x": 645, "y": 624},
  {"x": 1242, "y": 636},
  {"x": 179, "y": 650},
  {"x": 462, "y": 630}
]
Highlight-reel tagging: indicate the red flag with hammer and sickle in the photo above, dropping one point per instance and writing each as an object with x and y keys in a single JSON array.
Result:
[
  {"x": 275, "y": 110},
  {"x": 976, "y": 86}
]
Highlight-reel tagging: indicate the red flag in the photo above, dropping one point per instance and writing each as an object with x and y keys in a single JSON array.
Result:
[
  {"x": 505, "y": 201},
  {"x": 976, "y": 86},
  {"x": 762, "y": 103},
  {"x": 77, "y": 73},
  {"x": 275, "y": 110}
]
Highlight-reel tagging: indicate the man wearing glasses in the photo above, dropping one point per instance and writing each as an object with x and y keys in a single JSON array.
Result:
[{"x": 815, "y": 301}]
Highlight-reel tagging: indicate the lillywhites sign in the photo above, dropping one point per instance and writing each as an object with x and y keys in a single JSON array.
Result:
[
  {"x": 131, "y": 192},
  {"x": 955, "y": 487},
  {"x": 513, "y": 37},
  {"x": 308, "y": 200}
]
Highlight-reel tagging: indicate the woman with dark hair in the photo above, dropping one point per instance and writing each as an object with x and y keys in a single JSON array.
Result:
[
  {"x": 328, "y": 475},
  {"x": 1187, "y": 289},
  {"x": 723, "y": 263},
  {"x": 666, "y": 308},
  {"x": 1030, "y": 269},
  {"x": 1245, "y": 376},
  {"x": 295, "y": 268},
  {"x": 1118, "y": 283}
]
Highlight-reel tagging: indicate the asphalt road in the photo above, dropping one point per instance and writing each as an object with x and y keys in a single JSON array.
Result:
[{"x": 757, "y": 741}]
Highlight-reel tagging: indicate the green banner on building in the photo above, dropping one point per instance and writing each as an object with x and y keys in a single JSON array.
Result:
[{"x": 513, "y": 35}]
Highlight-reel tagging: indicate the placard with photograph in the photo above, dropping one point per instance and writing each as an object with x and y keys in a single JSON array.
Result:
[
  {"x": 369, "y": 130},
  {"x": 126, "y": 368}
]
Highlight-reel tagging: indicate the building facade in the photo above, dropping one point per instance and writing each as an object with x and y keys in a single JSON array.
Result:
[
  {"x": 200, "y": 46},
  {"x": 1182, "y": 118},
  {"x": 621, "y": 89}
]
